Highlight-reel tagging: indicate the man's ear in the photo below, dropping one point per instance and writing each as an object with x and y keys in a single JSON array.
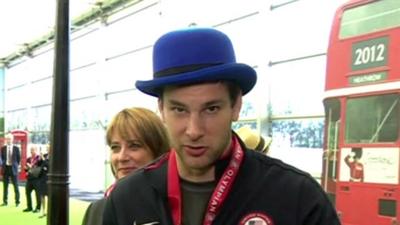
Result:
[
  {"x": 236, "y": 108},
  {"x": 161, "y": 108}
]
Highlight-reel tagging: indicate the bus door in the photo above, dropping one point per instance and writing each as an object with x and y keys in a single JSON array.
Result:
[
  {"x": 21, "y": 140},
  {"x": 331, "y": 152}
]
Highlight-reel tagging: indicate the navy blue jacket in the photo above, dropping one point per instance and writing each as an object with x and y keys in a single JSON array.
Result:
[
  {"x": 264, "y": 185},
  {"x": 16, "y": 159}
]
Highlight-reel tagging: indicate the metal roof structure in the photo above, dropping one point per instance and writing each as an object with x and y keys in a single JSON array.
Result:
[{"x": 28, "y": 25}]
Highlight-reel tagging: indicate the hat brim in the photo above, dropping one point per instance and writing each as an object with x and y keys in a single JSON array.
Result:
[
  {"x": 241, "y": 74},
  {"x": 267, "y": 143}
]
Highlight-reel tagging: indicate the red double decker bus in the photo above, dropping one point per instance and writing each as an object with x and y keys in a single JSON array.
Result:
[{"x": 361, "y": 172}]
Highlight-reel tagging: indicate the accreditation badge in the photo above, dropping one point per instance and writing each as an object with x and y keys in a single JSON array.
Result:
[{"x": 256, "y": 219}]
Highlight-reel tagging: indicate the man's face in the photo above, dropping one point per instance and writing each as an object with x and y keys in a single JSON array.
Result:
[
  {"x": 199, "y": 119},
  {"x": 33, "y": 151},
  {"x": 9, "y": 140}
]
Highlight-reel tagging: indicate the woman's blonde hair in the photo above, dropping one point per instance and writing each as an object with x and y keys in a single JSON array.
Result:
[{"x": 142, "y": 123}]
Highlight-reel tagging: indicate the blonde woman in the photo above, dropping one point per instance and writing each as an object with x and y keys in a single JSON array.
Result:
[{"x": 136, "y": 136}]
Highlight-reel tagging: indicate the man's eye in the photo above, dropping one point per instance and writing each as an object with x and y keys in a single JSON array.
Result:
[
  {"x": 213, "y": 109},
  {"x": 178, "y": 109}
]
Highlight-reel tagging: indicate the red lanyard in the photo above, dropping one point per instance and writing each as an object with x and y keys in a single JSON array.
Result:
[
  {"x": 110, "y": 189},
  {"x": 220, "y": 192}
]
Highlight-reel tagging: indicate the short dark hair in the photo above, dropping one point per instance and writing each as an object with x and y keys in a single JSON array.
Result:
[{"x": 234, "y": 91}]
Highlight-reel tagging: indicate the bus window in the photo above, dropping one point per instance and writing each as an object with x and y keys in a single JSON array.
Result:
[
  {"x": 372, "y": 119},
  {"x": 377, "y": 16}
]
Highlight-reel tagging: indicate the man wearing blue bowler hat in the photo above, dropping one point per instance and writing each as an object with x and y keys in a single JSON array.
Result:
[{"x": 209, "y": 177}]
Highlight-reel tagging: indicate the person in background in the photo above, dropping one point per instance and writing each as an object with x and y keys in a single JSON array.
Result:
[
  {"x": 254, "y": 141},
  {"x": 11, "y": 158},
  {"x": 136, "y": 136},
  {"x": 353, "y": 161},
  {"x": 43, "y": 180},
  {"x": 209, "y": 176},
  {"x": 32, "y": 183}
]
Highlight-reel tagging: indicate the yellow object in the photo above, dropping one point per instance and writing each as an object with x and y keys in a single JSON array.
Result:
[{"x": 254, "y": 141}]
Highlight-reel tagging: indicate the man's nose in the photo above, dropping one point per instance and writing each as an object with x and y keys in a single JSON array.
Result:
[{"x": 195, "y": 129}]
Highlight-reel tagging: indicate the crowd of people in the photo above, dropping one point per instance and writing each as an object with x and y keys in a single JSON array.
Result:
[
  {"x": 36, "y": 168},
  {"x": 186, "y": 165}
]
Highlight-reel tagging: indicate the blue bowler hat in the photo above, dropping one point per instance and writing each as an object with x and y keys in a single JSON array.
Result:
[{"x": 195, "y": 55}]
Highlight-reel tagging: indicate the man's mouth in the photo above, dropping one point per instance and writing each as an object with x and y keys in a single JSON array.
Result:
[{"x": 194, "y": 151}]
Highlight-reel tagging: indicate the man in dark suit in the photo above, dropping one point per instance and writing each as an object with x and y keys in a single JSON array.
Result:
[{"x": 11, "y": 157}]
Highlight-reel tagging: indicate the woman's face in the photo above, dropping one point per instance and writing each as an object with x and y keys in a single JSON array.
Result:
[{"x": 128, "y": 155}]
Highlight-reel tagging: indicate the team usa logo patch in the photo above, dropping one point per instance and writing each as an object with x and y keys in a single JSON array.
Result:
[{"x": 256, "y": 219}]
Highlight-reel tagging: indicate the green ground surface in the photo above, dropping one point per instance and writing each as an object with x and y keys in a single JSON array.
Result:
[{"x": 12, "y": 215}]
